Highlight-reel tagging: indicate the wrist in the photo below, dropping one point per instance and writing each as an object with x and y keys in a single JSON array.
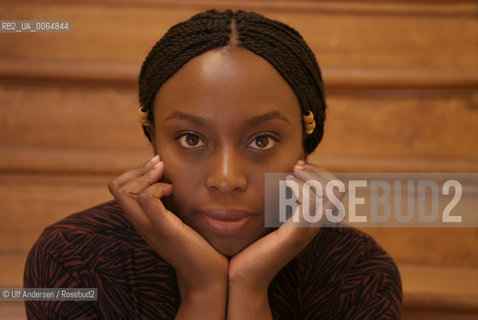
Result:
[
  {"x": 243, "y": 283},
  {"x": 195, "y": 286},
  {"x": 207, "y": 303},
  {"x": 201, "y": 293},
  {"x": 246, "y": 302},
  {"x": 256, "y": 292}
]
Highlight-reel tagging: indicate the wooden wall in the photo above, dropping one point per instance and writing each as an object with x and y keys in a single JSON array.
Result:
[{"x": 402, "y": 87}]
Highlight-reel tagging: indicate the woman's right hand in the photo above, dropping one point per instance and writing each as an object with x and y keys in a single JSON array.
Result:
[{"x": 201, "y": 270}]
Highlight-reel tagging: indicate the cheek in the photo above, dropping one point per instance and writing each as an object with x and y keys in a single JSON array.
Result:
[
  {"x": 178, "y": 174},
  {"x": 285, "y": 162},
  {"x": 185, "y": 188},
  {"x": 171, "y": 164}
]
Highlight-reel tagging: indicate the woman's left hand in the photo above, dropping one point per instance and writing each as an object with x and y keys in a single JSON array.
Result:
[{"x": 252, "y": 270}]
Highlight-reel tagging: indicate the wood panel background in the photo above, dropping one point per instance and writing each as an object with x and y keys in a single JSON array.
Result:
[{"x": 402, "y": 89}]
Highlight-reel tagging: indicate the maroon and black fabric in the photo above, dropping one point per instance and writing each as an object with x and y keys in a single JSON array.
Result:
[{"x": 341, "y": 274}]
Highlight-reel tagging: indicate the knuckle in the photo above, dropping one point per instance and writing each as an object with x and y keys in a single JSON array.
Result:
[
  {"x": 112, "y": 185},
  {"x": 122, "y": 192},
  {"x": 111, "y": 188},
  {"x": 144, "y": 197},
  {"x": 141, "y": 170},
  {"x": 147, "y": 179}
]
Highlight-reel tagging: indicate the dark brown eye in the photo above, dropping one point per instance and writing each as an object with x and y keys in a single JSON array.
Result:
[
  {"x": 190, "y": 140},
  {"x": 262, "y": 142}
]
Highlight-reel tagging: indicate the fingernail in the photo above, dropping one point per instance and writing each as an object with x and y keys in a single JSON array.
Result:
[
  {"x": 299, "y": 167},
  {"x": 155, "y": 158},
  {"x": 300, "y": 162},
  {"x": 157, "y": 164}
]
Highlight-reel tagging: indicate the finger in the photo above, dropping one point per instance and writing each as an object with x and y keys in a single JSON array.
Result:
[
  {"x": 127, "y": 196},
  {"x": 129, "y": 175},
  {"x": 135, "y": 215},
  {"x": 308, "y": 214},
  {"x": 309, "y": 172},
  {"x": 169, "y": 227},
  {"x": 136, "y": 185},
  {"x": 150, "y": 202},
  {"x": 140, "y": 218},
  {"x": 304, "y": 166},
  {"x": 137, "y": 172},
  {"x": 332, "y": 190},
  {"x": 171, "y": 232}
]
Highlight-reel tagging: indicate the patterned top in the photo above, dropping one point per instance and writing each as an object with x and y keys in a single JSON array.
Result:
[{"x": 341, "y": 274}]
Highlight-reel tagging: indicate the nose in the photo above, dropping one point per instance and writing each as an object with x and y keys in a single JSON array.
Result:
[{"x": 227, "y": 172}]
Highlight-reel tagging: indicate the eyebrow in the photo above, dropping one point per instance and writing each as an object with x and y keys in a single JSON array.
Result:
[
  {"x": 273, "y": 115},
  {"x": 186, "y": 116}
]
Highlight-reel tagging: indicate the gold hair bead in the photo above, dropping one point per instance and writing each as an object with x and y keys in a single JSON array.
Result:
[
  {"x": 309, "y": 122},
  {"x": 310, "y": 129},
  {"x": 308, "y": 118},
  {"x": 143, "y": 117}
]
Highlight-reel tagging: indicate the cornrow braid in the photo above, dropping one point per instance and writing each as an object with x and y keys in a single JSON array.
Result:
[{"x": 283, "y": 47}]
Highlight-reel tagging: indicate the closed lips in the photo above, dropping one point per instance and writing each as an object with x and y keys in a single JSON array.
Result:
[
  {"x": 226, "y": 214},
  {"x": 226, "y": 222}
]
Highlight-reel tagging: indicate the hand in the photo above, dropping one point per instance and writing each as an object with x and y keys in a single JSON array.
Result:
[
  {"x": 199, "y": 267},
  {"x": 252, "y": 270}
]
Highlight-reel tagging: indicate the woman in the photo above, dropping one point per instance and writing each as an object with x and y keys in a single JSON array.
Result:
[{"x": 225, "y": 97}]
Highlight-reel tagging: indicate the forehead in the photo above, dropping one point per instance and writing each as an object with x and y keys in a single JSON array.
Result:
[{"x": 226, "y": 82}]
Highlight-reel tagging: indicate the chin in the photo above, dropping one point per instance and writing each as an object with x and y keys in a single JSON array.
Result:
[
  {"x": 228, "y": 249},
  {"x": 230, "y": 246}
]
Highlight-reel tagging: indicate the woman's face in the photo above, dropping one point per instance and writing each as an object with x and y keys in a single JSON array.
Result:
[{"x": 221, "y": 122}]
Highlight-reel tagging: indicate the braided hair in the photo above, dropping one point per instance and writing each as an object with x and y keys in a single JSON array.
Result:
[{"x": 283, "y": 47}]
